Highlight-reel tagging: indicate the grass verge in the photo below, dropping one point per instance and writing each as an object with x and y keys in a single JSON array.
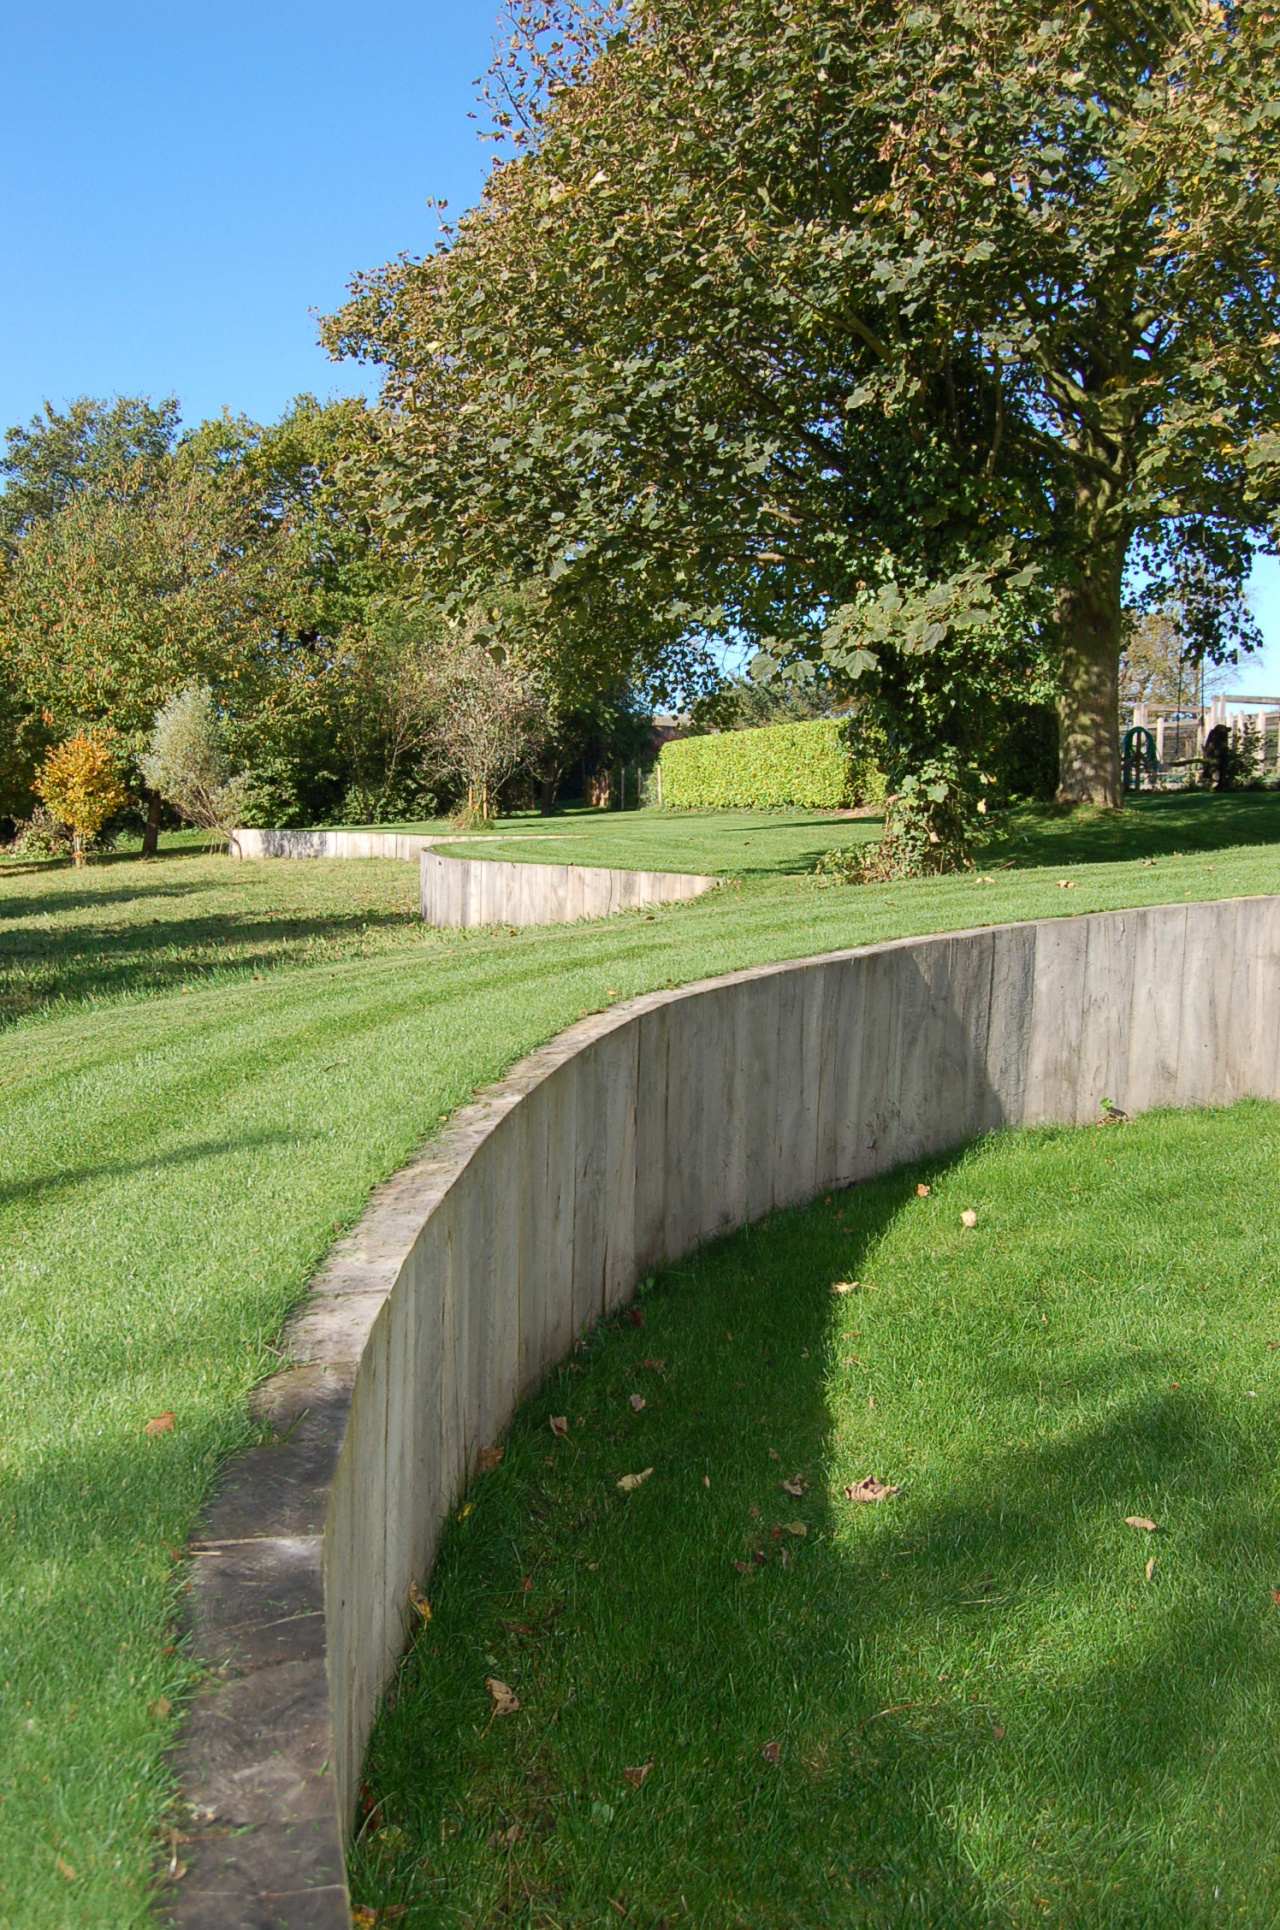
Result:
[
  {"x": 746, "y": 1699},
  {"x": 173, "y": 1166}
]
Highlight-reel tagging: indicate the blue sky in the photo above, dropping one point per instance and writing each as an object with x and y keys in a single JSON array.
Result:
[{"x": 183, "y": 185}]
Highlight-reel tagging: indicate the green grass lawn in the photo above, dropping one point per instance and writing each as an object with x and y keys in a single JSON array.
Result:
[
  {"x": 969, "y": 1705},
  {"x": 205, "y": 1071}
]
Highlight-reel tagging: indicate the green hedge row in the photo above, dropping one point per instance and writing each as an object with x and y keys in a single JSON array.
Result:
[{"x": 818, "y": 765}]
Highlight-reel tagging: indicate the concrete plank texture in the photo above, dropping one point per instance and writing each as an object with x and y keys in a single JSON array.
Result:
[{"x": 626, "y": 1142}]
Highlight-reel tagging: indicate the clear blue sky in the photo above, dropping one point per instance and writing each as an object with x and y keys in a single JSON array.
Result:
[{"x": 182, "y": 185}]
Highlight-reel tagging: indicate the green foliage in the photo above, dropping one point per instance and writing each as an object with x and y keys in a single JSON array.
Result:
[
  {"x": 826, "y": 323},
  {"x": 930, "y": 823},
  {"x": 89, "y": 445},
  {"x": 825, "y": 764},
  {"x": 188, "y": 765}
]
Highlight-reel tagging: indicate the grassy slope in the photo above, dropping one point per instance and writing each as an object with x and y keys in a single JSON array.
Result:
[
  {"x": 173, "y": 1169},
  {"x": 985, "y": 1713}
]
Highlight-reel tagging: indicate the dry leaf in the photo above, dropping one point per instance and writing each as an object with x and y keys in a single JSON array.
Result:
[
  {"x": 968, "y": 1217},
  {"x": 1140, "y": 1521},
  {"x": 871, "y": 1400},
  {"x": 517, "y": 1628},
  {"x": 635, "y": 1316},
  {"x": 162, "y": 1707},
  {"x": 503, "y": 1838},
  {"x": 638, "y": 1403},
  {"x": 1275, "y": 1596},
  {"x": 637, "y": 1775},
  {"x": 744, "y": 1568},
  {"x": 796, "y": 1528},
  {"x": 161, "y": 1424},
  {"x": 488, "y": 1459},
  {"x": 774, "y": 1454},
  {"x": 997, "y": 1732},
  {"x": 559, "y": 1425},
  {"x": 65, "y": 1869},
  {"x": 364, "y": 1919},
  {"x": 505, "y": 1703},
  {"x": 655, "y": 1366},
  {"x": 794, "y": 1486},
  {"x": 771, "y": 1751},
  {"x": 870, "y": 1490},
  {"x": 844, "y": 1286},
  {"x": 1066, "y": 884},
  {"x": 419, "y": 1602},
  {"x": 785, "y": 1559},
  {"x": 706, "y": 1480},
  {"x": 923, "y": 1191},
  {"x": 1151, "y": 1568},
  {"x": 630, "y": 1482}
]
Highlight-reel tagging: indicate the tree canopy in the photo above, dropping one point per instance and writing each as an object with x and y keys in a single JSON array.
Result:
[{"x": 862, "y": 332}]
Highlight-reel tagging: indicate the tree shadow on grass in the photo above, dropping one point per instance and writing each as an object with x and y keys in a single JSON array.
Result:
[
  {"x": 942, "y": 1711},
  {"x": 1148, "y": 827},
  {"x": 66, "y": 1178}
]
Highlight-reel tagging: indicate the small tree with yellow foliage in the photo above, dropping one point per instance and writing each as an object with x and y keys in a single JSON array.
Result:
[{"x": 82, "y": 787}]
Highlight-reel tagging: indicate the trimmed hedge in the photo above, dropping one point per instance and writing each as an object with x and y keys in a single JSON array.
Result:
[{"x": 818, "y": 765}]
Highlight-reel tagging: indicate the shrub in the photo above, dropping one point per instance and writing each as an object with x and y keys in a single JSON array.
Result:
[
  {"x": 930, "y": 823},
  {"x": 41, "y": 836},
  {"x": 187, "y": 765},
  {"x": 828, "y": 764},
  {"x": 81, "y": 786}
]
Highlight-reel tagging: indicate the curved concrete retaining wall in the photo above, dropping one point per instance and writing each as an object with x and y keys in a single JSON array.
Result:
[
  {"x": 458, "y": 892},
  {"x": 479, "y": 891},
  {"x": 627, "y": 1141}
]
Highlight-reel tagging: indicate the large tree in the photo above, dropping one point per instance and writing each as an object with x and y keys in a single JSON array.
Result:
[{"x": 844, "y": 325}]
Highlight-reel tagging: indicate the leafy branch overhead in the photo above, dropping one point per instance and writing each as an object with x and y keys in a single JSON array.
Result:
[{"x": 779, "y": 314}]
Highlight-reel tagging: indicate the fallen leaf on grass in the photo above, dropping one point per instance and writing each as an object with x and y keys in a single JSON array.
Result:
[
  {"x": 655, "y": 1366},
  {"x": 65, "y": 1869},
  {"x": 1141, "y": 1521},
  {"x": 638, "y": 1403},
  {"x": 161, "y": 1708},
  {"x": 630, "y": 1482},
  {"x": 968, "y": 1217},
  {"x": 744, "y": 1568},
  {"x": 755, "y": 1512},
  {"x": 1275, "y": 1596},
  {"x": 774, "y": 1454},
  {"x": 706, "y": 1480},
  {"x": 503, "y": 1838},
  {"x": 505, "y": 1701},
  {"x": 559, "y": 1425},
  {"x": 1066, "y": 884},
  {"x": 1151, "y": 1568},
  {"x": 637, "y": 1775},
  {"x": 161, "y": 1424},
  {"x": 364, "y": 1919},
  {"x": 796, "y": 1528},
  {"x": 869, "y": 1490},
  {"x": 845, "y": 1286},
  {"x": 997, "y": 1732},
  {"x": 517, "y": 1628},
  {"x": 794, "y": 1486},
  {"x": 488, "y": 1459},
  {"x": 635, "y": 1316},
  {"x": 785, "y": 1559},
  {"x": 418, "y": 1601},
  {"x": 1272, "y": 1345},
  {"x": 771, "y": 1751},
  {"x": 923, "y": 1191}
]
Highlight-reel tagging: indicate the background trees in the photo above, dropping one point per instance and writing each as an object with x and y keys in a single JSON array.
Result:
[{"x": 859, "y": 334}]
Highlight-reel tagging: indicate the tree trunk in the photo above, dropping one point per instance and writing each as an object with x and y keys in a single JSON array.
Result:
[
  {"x": 151, "y": 836},
  {"x": 1089, "y": 706},
  {"x": 550, "y": 785}
]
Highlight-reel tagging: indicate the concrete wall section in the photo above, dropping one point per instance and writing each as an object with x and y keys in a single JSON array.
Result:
[
  {"x": 329, "y": 844},
  {"x": 625, "y": 1142},
  {"x": 479, "y": 891}
]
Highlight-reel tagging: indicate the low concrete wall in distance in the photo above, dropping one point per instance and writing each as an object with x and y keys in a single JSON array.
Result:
[
  {"x": 479, "y": 891},
  {"x": 626, "y": 1142},
  {"x": 329, "y": 844}
]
